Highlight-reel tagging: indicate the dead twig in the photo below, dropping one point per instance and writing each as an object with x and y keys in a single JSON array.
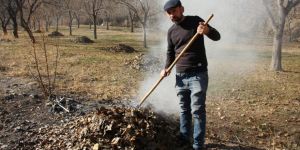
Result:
[{"x": 58, "y": 103}]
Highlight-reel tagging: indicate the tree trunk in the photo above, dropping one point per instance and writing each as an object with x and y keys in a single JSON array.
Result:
[
  {"x": 4, "y": 29},
  {"x": 34, "y": 25},
  {"x": 131, "y": 21},
  {"x": 145, "y": 35},
  {"x": 107, "y": 25},
  {"x": 27, "y": 29},
  {"x": 39, "y": 25},
  {"x": 15, "y": 28},
  {"x": 78, "y": 22},
  {"x": 127, "y": 22},
  {"x": 47, "y": 26},
  {"x": 70, "y": 23},
  {"x": 277, "y": 45},
  {"x": 90, "y": 25},
  {"x": 132, "y": 26},
  {"x": 57, "y": 22},
  {"x": 95, "y": 26}
]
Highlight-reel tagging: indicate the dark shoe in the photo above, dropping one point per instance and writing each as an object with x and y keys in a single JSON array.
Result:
[
  {"x": 200, "y": 148},
  {"x": 183, "y": 143}
]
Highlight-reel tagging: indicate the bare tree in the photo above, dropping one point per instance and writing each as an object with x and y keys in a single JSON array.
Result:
[
  {"x": 58, "y": 13},
  {"x": 4, "y": 16},
  {"x": 13, "y": 10},
  {"x": 69, "y": 7},
  {"x": 47, "y": 15},
  {"x": 93, "y": 8},
  {"x": 141, "y": 9},
  {"x": 131, "y": 16},
  {"x": 78, "y": 12},
  {"x": 278, "y": 21},
  {"x": 108, "y": 12},
  {"x": 27, "y": 7}
]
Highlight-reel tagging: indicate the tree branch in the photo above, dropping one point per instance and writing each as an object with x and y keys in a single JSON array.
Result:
[
  {"x": 271, "y": 16},
  {"x": 291, "y": 4}
]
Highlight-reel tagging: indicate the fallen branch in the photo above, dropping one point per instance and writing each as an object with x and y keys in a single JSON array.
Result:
[{"x": 58, "y": 103}]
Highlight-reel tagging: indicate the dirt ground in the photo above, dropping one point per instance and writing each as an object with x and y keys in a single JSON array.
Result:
[{"x": 255, "y": 109}]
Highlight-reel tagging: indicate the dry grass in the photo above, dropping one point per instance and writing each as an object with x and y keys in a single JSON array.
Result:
[
  {"x": 247, "y": 104},
  {"x": 83, "y": 68},
  {"x": 256, "y": 107}
]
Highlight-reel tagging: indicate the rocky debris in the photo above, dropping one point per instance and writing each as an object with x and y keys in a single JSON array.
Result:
[
  {"x": 55, "y": 34},
  {"x": 114, "y": 128},
  {"x": 83, "y": 39},
  {"x": 144, "y": 63},
  {"x": 121, "y": 48}
]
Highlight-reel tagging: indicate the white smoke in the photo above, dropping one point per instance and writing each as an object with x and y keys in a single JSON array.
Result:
[{"x": 236, "y": 20}]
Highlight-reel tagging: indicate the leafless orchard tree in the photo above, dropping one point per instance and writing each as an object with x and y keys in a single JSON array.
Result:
[
  {"x": 4, "y": 16},
  {"x": 78, "y": 12},
  {"x": 26, "y": 10},
  {"x": 131, "y": 16},
  {"x": 46, "y": 15},
  {"x": 58, "y": 13},
  {"x": 12, "y": 10},
  {"x": 278, "y": 20},
  {"x": 143, "y": 9},
  {"x": 93, "y": 8},
  {"x": 69, "y": 7},
  {"x": 108, "y": 12},
  {"x": 37, "y": 19}
]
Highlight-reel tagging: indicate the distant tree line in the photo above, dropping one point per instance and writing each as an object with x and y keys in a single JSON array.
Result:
[{"x": 34, "y": 15}]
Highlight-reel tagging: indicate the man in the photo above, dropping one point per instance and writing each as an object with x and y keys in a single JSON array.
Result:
[{"x": 191, "y": 70}]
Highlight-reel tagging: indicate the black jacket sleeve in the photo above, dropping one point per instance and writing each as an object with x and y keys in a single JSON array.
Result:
[
  {"x": 213, "y": 34},
  {"x": 170, "y": 51}
]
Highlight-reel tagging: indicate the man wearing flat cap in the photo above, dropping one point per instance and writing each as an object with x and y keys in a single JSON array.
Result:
[{"x": 191, "y": 70}]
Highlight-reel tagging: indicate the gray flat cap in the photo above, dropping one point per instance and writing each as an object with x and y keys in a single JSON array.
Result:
[{"x": 171, "y": 4}]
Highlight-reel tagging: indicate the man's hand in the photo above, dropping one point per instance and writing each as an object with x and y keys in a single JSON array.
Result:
[
  {"x": 164, "y": 73},
  {"x": 202, "y": 28}
]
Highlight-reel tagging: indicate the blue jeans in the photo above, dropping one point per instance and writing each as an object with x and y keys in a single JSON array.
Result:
[{"x": 191, "y": 90}]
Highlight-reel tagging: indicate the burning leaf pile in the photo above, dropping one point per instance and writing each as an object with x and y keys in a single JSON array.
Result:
[
  {"x": 144, "y": 63},
  {"x": 116, "y": 128}
]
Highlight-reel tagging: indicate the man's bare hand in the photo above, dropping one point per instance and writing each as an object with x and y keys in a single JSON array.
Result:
[
  {"x": 202, "y": 28},
  {"x": 164, "y": 73}
]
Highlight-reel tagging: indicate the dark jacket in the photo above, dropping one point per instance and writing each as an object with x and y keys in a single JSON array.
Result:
[{"x": 179, "y": 35}]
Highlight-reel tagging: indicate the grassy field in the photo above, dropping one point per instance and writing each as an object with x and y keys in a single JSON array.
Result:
[
  {"x": 247, "y": 103},
  {"x": 83, "y": 68}
]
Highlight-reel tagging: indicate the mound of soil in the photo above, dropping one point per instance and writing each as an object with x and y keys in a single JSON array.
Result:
[
  {"x": 55, "y": 34},
  {"x": 38, "y": 31},
  {"x": 83, "y": 39},
  {"x": 121, "y": 48}
]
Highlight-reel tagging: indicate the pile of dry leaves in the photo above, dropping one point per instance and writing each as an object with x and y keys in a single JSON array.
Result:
[{"x": 116, "y": 128}]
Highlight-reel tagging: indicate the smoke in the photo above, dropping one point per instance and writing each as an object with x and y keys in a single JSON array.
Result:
[{"x": 238, "y": 21}]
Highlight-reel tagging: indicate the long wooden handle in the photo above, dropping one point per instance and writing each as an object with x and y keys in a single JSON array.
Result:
[{"x": 174, "y": 62}]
